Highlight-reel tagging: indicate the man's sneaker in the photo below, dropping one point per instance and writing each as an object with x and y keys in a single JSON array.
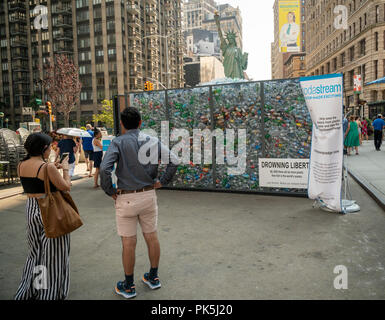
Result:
[
  {"x": 152, "y": 283},
  {"x": 121, "y": 289}
]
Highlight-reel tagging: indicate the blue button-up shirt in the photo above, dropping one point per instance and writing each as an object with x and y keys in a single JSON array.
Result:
[
  {"x": 378, "y": 124},
  {"x": 127, "y": 152}
]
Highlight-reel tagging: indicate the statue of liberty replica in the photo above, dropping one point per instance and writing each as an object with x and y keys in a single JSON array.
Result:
[{"x": 235, "y": 62}]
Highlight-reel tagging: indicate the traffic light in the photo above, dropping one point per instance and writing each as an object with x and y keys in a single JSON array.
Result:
[
  {"x": 48, "y": 107},
  {"x": 148, "y": 86}
]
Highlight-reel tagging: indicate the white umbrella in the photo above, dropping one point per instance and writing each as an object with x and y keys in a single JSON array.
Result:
[{"x": 74, "y": 132}]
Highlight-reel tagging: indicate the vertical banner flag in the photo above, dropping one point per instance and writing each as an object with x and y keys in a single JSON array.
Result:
[
  {"x": 357, "y": 80},
  {"x": 323, "y": 95},
  {"x": 289, "y": 25}
]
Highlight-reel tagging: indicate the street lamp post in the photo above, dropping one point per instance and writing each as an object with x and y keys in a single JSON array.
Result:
[{"x": 157, "y": 82}]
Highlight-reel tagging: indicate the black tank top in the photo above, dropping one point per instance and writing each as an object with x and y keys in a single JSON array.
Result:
[{"x": 35, "y": 185}]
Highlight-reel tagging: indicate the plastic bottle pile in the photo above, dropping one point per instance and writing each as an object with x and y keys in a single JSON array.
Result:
[
  {"x": 152, "y": 106},
  {"x": 190, "y": 109},
  {"x": 282, "y": 129},
  {"x": 237, "y": 107},
  {"x": 287, "y": 122}
]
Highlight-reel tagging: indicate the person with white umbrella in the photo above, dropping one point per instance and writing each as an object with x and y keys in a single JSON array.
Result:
[{"x": 68, "y": 145}]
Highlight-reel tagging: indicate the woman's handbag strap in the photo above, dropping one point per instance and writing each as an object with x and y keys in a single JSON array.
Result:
[{"x": 47, "y": 186}]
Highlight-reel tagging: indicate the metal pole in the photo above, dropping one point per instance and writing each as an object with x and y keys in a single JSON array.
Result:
[
  {"x": 168, "y": 64},
  {"x": 50, "y": 121}
]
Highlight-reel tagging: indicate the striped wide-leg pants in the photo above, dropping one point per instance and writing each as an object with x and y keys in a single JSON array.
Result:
[{"x": 46, "y": 274}]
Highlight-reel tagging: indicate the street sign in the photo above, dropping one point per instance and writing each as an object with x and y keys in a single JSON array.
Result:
[
  {"x": 27, "y": 111},
  {"x": 42, "y": 107},
  {"x": 38, "y": 101}
]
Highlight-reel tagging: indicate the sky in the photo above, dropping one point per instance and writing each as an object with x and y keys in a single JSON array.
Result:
[{"x": 258, "y": 34}]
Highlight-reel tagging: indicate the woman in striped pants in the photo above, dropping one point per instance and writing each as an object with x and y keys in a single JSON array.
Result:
[{"x": 46, "y": 272}]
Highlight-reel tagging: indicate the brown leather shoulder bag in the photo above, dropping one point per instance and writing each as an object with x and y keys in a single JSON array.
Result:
[{"x": 59, "y": 213}]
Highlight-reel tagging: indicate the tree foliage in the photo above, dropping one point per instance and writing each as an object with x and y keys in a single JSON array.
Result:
[
  {"x": 62, "y": 84},
  {"x": 106, "y": 115}
]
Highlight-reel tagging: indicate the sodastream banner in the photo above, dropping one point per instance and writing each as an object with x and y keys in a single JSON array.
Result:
[{"x": 323, "y": 95}]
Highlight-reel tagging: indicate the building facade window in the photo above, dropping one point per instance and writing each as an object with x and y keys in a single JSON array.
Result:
[
  {"x": 351, "y": 50},
  {"x": 98, "y": 26},
  {"x": 377, "y": 14},
  {"x": 97, "y": 13},
  {"x": 99, "y": 67},
  {"x": 81, "y": 3},
  {"x": 363, "y": 47}
]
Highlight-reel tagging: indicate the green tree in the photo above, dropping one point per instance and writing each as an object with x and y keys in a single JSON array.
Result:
[{"x": 106, "y": 115}]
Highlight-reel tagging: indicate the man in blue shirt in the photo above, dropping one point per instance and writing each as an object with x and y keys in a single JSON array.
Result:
[
  {"x": 88, "y": 149},
  {"x": 135, "y": 198},
  {"x": 68, "y": 145},
  {"x": 378, "y": 126}
]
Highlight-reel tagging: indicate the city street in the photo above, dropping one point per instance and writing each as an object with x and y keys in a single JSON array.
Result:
[{"x": 217, "y": 246}]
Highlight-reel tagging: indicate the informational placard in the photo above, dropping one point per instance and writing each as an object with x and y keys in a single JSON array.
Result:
[
  {"x": 323, "y": 95},
  {"x": 284, "y": 173}
]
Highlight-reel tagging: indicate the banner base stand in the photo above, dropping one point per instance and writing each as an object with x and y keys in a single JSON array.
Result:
[
  {"x": 350, "y": 206},
  {"x": 323, "y": 206}
]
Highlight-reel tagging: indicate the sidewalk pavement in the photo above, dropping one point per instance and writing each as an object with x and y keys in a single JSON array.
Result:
[
  {"x": 16, "y": 189},
  {"x": 368, "y": 169},
  {"x": 215, "y": 246}
]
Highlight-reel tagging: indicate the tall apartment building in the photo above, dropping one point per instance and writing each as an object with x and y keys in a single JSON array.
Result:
[
  {"x": 357, "y": 50},
  {"x": 231, "y": 20},
  {"x": 196, "y": 11},
  {"x": 117, "y": 44},
  {"x": 285, "y": 64}
]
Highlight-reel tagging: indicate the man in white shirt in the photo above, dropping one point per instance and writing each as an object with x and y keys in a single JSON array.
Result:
[{"x": 289, "y": 32}]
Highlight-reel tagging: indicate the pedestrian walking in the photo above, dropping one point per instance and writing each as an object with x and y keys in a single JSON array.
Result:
[
  {"x": 67, "y": 144},
  {"x": 345, "y": 124},
  {"x": 352, "y": 139},
  {"x": 97, "y": 155},
  {"x": 135, "y": 198},
  {"x": 52, "y": 254},
  {"x": 364, "y": 130},
  {"x": 79, "y": 149},
  {"x": 88, "y": 149},
  {"x": 359, "y": 126},
  {"x": 378, "y": 126}
]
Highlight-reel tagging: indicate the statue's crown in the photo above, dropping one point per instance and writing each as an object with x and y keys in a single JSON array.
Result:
[{"x": 231, "y": 35}]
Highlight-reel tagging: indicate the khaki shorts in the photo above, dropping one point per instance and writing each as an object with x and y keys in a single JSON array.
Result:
[{"x": 134, "y": 207}]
